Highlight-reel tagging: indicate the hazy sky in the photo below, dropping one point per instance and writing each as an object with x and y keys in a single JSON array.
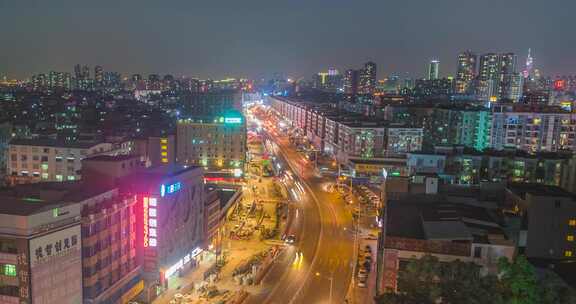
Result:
[{"x": 218, "y": 38}]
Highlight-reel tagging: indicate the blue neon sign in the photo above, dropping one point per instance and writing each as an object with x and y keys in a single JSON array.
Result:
[{"x": 169, "y": 189}]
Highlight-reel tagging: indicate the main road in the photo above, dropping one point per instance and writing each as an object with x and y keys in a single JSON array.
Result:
[{"x": 318, "y": 268}]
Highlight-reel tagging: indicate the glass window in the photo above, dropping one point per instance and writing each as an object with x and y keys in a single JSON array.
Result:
[
  {"x": 570, "y": 238},
  {"x": 568, "y": 253},
  {"x": 10, "y": 270}
]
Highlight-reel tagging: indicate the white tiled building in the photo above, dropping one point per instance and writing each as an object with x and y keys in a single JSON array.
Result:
[{"x": 47, "y": 160}]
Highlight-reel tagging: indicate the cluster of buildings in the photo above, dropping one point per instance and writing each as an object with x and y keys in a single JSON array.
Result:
[
  {"x": 479, "y": 224},
  {"x": 87, "y": 79},
  {"x": 120, "y": 233},
  {"x": 345, "y": 135}
]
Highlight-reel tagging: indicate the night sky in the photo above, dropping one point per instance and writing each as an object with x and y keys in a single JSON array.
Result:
[{"x": 217, "y": 38}]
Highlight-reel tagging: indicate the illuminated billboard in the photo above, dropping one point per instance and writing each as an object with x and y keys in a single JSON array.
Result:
[
  {"x": 169, "y": 189},
  {"x": 56, "y": 267}
]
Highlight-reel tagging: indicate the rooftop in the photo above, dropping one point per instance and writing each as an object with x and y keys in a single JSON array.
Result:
[
  {"x": 48, "y": 142},
  {"x": 521, "y": 189},
  {"x": 111, "y": 158},
  {"x": 29, "y": 199},
  {"x": 430, "y": 217}
]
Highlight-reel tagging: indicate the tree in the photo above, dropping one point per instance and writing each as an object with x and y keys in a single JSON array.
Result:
[
  {"x": 519, "y": 282},
  {"x": 461, "y": 282}
]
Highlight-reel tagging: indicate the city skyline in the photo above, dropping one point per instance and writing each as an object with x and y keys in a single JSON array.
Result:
[{"x": 228, "y": 39}]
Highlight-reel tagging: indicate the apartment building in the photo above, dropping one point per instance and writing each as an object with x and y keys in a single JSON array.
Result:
[{"x": 49, "y": 160}]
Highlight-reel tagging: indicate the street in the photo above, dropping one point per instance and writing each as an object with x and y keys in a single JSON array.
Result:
[{"x": 326, "y": 231}]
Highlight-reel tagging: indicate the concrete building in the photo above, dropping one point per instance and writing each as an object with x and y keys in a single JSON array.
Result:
[
  {"x": 532, "y": 128},
  {"x": 46, "y": 160},
  {"x": 347, "y": 135},
  {"x": 217, "y": 143},
  {"x": 422, "y": 224},
  {"x": 156, "y": 150},
  {"x": 170, "y": 232},
  {"x": 71, "y": 242},
  {"x": 545, "y": 225},
  {"x": 458, "y": 165}
]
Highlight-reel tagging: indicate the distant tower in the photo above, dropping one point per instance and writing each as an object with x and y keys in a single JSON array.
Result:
[
  {"x": 433, "y": 69},
  {"x": 466, "y": 71},
  {"x": 529, "y": 63}
]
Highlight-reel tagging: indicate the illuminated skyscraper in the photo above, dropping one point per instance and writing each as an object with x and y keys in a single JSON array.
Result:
[
  {"x": 506, "y": 74},
  {"x": 98, "y": 75},
  {"x": 489, "y": 67},
  {"x": 351, "y": 82},
  {"x": 496, "y": 73},
  {"x": 529, "y": 62},
  {"x": 433, "y": 69},
  {"x": 367, "y": 82},
  {"x": 466, "y": 71}
]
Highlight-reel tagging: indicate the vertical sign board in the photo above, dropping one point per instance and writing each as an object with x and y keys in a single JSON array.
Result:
[{"x": 56, "y": 267}]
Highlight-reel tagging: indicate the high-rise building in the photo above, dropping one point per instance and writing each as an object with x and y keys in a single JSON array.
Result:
[
  {"x": 466, "y": 71},
  {"x": 506, "y": 74},
  {"x": 497, "y": 75},
  {"x": 433, "y": 69},
  {"x": 367, "y": 82},
  {"x": 489, "y": 66},
  {"x": 330, "y": 81},
  {"x": 351, "y": 82},
  {"x": 98, "y": 75},
  {"x": 516, "y": 85},
  {"x": 529, "y": 65}
]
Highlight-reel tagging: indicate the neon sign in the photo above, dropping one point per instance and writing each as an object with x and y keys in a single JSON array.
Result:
[
  {"x": 145, "y": 208},
  {"x": 149, "y": 208},
  {"x": 169, "y": 189},
  {"x": 232, "y": 120}
]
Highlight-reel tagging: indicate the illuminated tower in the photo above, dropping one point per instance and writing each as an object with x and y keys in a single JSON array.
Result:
[
  {"x": 433, "y": 69},
  {"x": 466, "y": 71},
  {"x": 529, "y": 63}
]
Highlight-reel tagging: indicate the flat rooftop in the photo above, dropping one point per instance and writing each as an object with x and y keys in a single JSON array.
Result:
[
  {"x": 48, "y": 142},
  {"x": 430, "y": 217},
  {"x": 521, "y": 189},
  {"x": 111, "y": 158},
  {"x": 29, "y": 199}
]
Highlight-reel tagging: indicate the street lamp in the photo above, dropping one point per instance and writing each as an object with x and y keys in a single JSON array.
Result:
[{"x": 331, "y": 279}]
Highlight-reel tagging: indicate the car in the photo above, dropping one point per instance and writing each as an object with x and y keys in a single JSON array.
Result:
[{"x": 291, "y": 239}]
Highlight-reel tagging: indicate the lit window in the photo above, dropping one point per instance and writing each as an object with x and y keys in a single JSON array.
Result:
[
  {"x": 164, "y": 147},
  {"x": 568, "y": 253},
  {"x": 152, "y": 222},
  {"x": 572, "y": 223},
  {"x": 152, "y": 212},
  {"x": 152, "y": 232},
  {"x": 163, "y": 141},
  {"x": 164, "y": 153},
  {"x": 152, "y": 242},
  {"x": 59, "y": 177},
  {"x": 10, "y": 270},
  {"x": 71, "y": 177},
  {"x": 164, "y": 160},
  {"x": 570, "y": 238},
  {"x": 44, "y": 175},
  {"x": 44, "y": 166},
  {"x": 153, "y": 202}
]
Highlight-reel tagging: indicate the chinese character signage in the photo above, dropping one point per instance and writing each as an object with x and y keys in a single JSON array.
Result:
[{"x": 56, "y": 267}]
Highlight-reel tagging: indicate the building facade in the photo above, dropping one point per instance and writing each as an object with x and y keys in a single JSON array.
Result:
[
  {"x": 215, "y": 143},
  {"x": 38, "y": 160}
]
